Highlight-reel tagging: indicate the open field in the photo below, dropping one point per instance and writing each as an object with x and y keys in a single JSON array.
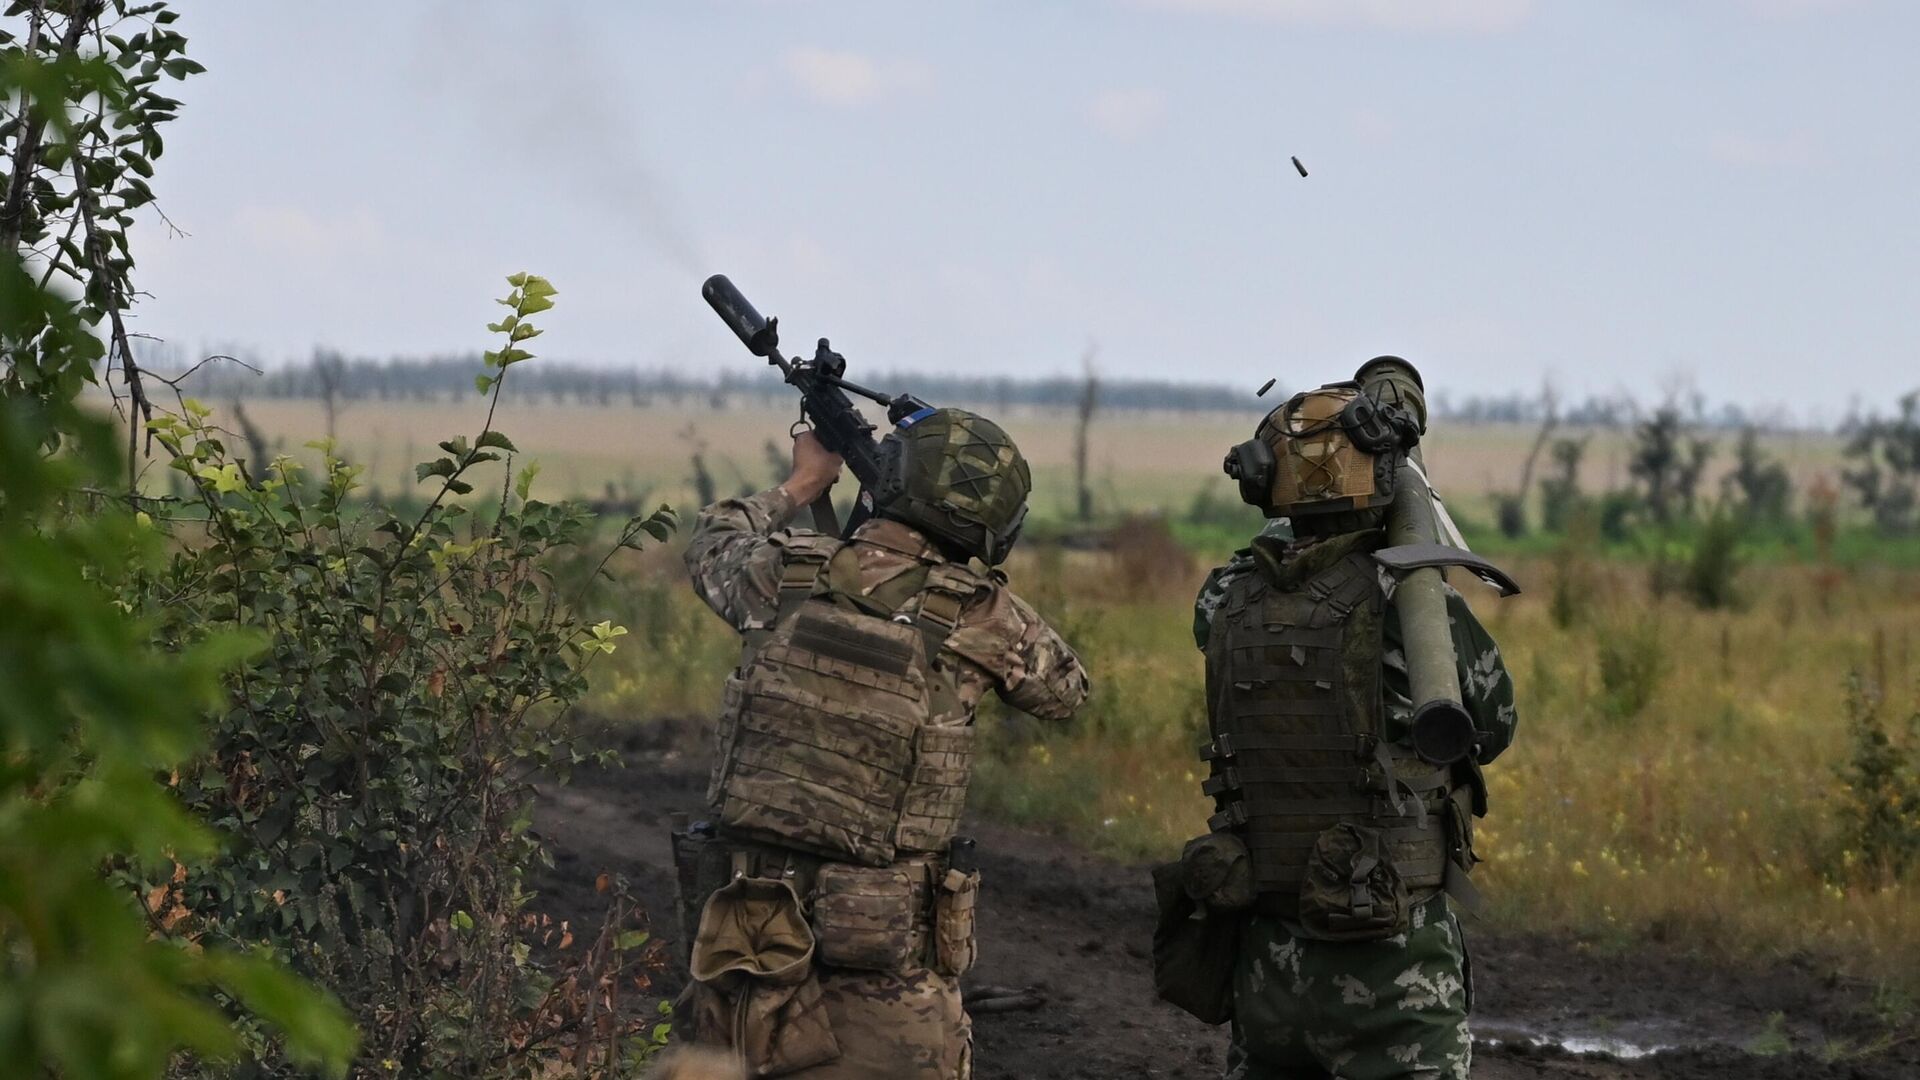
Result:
[
  {"x": 1139, "y": 461},
  {"x": 1678, "y": 775}
]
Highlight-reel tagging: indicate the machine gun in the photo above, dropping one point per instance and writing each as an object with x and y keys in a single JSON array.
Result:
[{"x": 823, "y": 392}]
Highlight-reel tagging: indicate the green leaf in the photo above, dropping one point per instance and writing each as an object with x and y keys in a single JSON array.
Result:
[
  {"x": 459, "y": 487},
  {"x": 496, "y": 439},
  {"x": 631, "y": 939},
  {"x": 319, "y": 1033},
  {"x": 483, "y": 383},
  {"x": 533, "y": 305},
  {"x": 524, "y": 482},
  {"x": 440, "y": 467}
]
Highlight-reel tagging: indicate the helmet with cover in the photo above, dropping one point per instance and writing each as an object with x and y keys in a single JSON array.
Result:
[
  {"x": 1326, "y": 458},
  {"x": 957, "y": 477}
]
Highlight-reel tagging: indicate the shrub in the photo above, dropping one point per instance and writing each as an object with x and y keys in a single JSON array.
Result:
[
  {"x": 1572, "y": 580},
  {"x": 375, "y": 761},
  {"x": 1633, "y": 660},
  {"x": 92, "y": 719},
  {"x": 1713, "y": 564},
  {"x": 1880, "y": 808}
]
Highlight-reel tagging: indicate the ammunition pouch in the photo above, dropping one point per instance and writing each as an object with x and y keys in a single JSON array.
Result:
[
  {"x": 916, "y": 913},
  {"x": 955, "y": 904},
  {"x": 1352, "y": 890},
  {"x": 872, "y": 918}
]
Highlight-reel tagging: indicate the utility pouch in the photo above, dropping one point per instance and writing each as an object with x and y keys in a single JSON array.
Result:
[
  {"x": 954, "y": 908},
  {"x": 1193, "y": 949},
  {"x": 1352, "y": 891},
  {"x": 871, "y": 918},
  {"x": 1218, "y": 871},
  {"x": 755, "y": 988}
]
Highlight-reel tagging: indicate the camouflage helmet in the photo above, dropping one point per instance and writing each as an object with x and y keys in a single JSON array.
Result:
[
  {"x": 1329, "y": 451},
  {"x": 957, "y": 477}
]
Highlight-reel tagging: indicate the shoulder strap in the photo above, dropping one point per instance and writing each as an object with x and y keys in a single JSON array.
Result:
[
  {"x": 947, "y": 591},
  {"x": 806, "y": 557}
]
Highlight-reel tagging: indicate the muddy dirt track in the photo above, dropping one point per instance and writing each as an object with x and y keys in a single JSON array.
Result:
[{"x": 1075, "y": 929}]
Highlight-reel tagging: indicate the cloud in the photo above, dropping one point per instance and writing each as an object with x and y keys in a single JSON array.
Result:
[
  {"x": 1128, "y": 113},
  {"x": 1754, "y": 152},
  {"x": 846, "y": 79},
  {"x": 1410, "y": 16}
]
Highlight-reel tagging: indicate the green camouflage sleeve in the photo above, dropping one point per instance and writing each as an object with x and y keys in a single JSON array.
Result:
[
  {"x": 1213, "y": 592},
  {"x": 1485, "y": 687},
  {"x": 1484, "y": 681},
  {"x": 734, "y": 567}
]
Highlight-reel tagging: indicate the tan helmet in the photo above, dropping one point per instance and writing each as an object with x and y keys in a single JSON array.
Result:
[{"x": 1324, "y": 451}]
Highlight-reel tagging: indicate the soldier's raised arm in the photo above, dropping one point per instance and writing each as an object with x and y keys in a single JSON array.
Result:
[
  {"x": 734, "y": 564},
  {"x": 1038, "y": 672}
]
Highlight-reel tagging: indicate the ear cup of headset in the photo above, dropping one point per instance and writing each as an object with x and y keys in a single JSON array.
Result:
[{"x": 1252, "y": 464}]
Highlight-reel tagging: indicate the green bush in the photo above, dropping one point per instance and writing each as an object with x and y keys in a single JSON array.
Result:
[
  {"x": 375, "y": 761},
  {"x": 1713, "y": 563},
  {"x": 1881, "y": 807},
  {"x": 93, "y": 720},
  {"x": 1633, "y": 661}
]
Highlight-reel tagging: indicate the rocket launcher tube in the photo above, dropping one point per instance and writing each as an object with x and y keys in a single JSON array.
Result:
[{"x": 1442, "y": 729}]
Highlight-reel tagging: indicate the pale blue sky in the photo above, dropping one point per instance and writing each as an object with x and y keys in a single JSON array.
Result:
[{"x": 1616, "y": 194}]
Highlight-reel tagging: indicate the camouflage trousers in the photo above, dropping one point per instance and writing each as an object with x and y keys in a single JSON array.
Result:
[
  {"x": 1394, "y": 1009},
  {"x": 909, "y": 1026}
]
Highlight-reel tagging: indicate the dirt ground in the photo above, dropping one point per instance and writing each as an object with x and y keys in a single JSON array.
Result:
[{"x": 1075, "y": 930}]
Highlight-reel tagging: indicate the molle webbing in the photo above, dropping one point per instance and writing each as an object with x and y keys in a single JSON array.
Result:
[
  {"x": 826, "y": 745},
  {"x": 1296, "y": 715}
]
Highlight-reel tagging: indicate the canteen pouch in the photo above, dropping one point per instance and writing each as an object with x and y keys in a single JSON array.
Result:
[
  {"x": 1193, "y": 949},
  {"x": 1352, "y": 891},
  {"x": 954, "y": 909},
  {"x": 871, "y": 918},
  {"x": 755, "y": 988}
]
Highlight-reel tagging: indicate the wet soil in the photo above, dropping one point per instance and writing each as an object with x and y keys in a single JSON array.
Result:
[{"x": 1073, "y": 930}]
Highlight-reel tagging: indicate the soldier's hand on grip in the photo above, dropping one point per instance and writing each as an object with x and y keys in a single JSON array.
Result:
[{"x": 815, "y": 468}]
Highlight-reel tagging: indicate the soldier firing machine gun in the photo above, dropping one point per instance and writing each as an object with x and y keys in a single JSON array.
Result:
[{"x": 824, "y": 403}]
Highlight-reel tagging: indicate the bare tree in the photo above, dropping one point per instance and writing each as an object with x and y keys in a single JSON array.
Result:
[
  {"x": 1089, "y": 403},
  {"x": 330, "y": 372}
]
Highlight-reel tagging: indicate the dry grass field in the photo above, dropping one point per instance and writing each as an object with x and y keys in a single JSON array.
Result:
[{"x": 1139, "y": 461}]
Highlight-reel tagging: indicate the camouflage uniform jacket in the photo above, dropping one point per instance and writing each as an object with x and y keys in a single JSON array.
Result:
[
  {"x": 1484, "y": 682},
  {"x": 1000, "y": 644}
]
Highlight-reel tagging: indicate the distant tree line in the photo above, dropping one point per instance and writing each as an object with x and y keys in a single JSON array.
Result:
[{"x": 328, "y": 375}]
